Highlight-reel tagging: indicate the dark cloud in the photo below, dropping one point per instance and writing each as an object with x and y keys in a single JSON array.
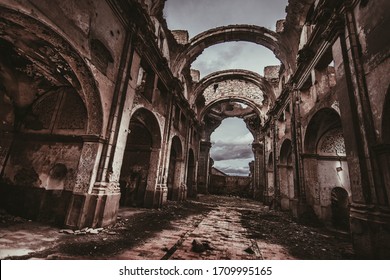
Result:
[
  {"x": 200, "y": 15},
  {"x": 235, "y": 171},
  {"x": 218, "y": 57},
  {"x": 226, "y": 151}
]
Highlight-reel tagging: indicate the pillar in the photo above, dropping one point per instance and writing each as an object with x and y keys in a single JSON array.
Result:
[
  {"x": 204, "y": 167},
  {"x": 259, "y": 172},
  {"x": 369, "y": 212},
  {"x": 298, "y": 204}
]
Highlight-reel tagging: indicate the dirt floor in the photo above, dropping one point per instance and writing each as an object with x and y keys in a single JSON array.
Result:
[{"x": 270, "y": 230}]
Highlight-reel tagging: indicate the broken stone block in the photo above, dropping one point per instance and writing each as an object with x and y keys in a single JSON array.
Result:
[
  {"x": 249, "y": 250},
  {"x": 197, "y": 246},
  {"x": 67, "y": 231},
  {"x": 200, "y": 246},
  {"x": 165, "y": 249}
]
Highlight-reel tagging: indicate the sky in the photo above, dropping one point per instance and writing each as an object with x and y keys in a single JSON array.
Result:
[
  {"x": 197, "y": 16},
  {"x": 232, "y": 141},
  {"x": 232, "y": 147}
]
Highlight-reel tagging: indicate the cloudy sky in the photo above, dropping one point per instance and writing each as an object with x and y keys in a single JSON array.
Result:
[
  {"x": 231, "y": 150},
  {"x": 231, "y": 147},
  {"x": 197, "y": 16}
]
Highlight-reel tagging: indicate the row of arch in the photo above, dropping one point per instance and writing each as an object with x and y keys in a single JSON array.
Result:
[
  {"x": 141, "y": 162},
  {"x": 84, "y": 93},
  {"x": 326, "y": 177}
]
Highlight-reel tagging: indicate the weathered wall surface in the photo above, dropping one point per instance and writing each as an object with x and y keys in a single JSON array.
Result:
[
  {"x": 374, "y": 42},
  {"x": 74, "y": 74},
  {"x": 234, "y": 88},
  {"x": 93, "y": 31},
  {"x": 43, "y": 164},
  {"x": 230, "y": 185}
]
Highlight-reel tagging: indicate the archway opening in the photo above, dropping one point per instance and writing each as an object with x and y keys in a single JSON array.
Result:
[
  {"x": 174, "y": 169},
  {"x": 286, "y": 178},
  {"x": 325, "y": 162},
  {"x": 140, "y": 160},
  {"x": 42, "y": 120},
  {"x": 231, "y": 155},
  {"x": 270, "y": 190},
  {"x": 234, "y": 55},
  {"x": 231, "y": 147}
]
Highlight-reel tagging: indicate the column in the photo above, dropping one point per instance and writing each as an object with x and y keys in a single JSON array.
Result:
[
  {"x": 369, "y": 212},
  {"x": 203, "y": 167},
  {"x": 259, "y": 171},
  {"x": 298, "y": 205}
]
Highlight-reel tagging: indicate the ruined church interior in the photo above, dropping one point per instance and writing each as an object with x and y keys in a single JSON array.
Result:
[{"x": 106, "y": 133}]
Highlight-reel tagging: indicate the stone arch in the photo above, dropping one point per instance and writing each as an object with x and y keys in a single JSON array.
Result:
[
  {"x": 285, "y": 152},
  {"x": 140, "y": 161},
  {"x": 50, "y": 114},
  {"x": 270, "y": 189},
  {"x": 45, "y": 153},
  {"x": 325, "y": 163},
  {"x": 251, "y": 115},
  {"x": 286, "y": 179},
  {"x": 321, "y": 122},
  {"x": 63, "y": 63},
  {"x": 246, "y": 101},
  {"x": 250, "y": 33},
  {"x": 149, "y": 120},
  {"x": 175, "y": 169},
  {"x": 236, "y": 74}
]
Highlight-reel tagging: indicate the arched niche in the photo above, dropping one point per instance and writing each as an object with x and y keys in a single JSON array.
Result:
[
  {"x": 286, "y": 179},
  {"x": 51, "y": 148},
  {"x": 325, "y": 163},
  {"x": 213, "y": 114},
  {"x": 175, "y": 169},
  {"x": 322, "y": 121},
  {"x": 48, "y": 136},
  {"x": 141, "y": 157},
  {"x": 60, "y": 64},
  {"x": 43, "y": 156},
  {"x": 270, "y": 189},
  {"x": 59, "y": 112}
]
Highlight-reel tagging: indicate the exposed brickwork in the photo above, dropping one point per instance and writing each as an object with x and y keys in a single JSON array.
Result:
[{"x": 234, "y": 88}]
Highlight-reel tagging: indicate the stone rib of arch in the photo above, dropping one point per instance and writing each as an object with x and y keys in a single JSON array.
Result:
[
  {"x": 235, "y": 74},
  {"x": 242, "y": 32}
]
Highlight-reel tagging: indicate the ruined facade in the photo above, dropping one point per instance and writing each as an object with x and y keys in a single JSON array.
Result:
[{"x": 100, "y": 109}]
